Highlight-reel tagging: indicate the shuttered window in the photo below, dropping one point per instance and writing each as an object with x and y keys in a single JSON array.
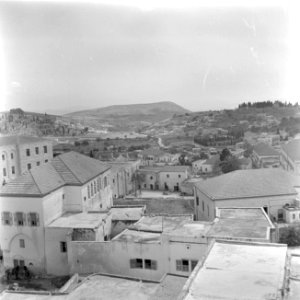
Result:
[
  {"x": 33, "y": 219},
  {"x": 20, "y": 219},
  {"x": 6, "y": 218}
]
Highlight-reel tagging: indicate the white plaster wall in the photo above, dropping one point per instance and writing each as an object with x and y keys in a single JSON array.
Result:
[
  {"x": 73, "y": 198},
  {"x": 172, "y": 180},
  {"x": 8, "y": 163},
  {"x": 56, "y": 261},
  {"x": 33, "y": 236},
  {"x": 114, "y": 258},
  {"x": 53, "y": 205}
]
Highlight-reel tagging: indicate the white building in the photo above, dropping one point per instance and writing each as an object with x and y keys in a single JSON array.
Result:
[
  {"x": 290, "y": 156},
  {"x": 21, "y": 153},
  {"x": 69, "y": 196}
]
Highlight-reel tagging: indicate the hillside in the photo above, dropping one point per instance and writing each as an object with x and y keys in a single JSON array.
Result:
[{"x": 132, "y": 116}]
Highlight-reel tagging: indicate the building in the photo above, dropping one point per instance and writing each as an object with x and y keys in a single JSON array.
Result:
[
  {"x": 166, "y": 178},
  {"x": 21, "y": 153},
  {"x": 271, "y": 189},
  {"x": 264, "y": 156},
  {"x": 70, "y": 197},
  {"x": 239, "y": 270},
  {"x": 197, "y": 166},
  {"x": 123, "y": 177},
  {"x": 245, "y": 163},
  {"x": 290, "y": 156},
  {"x": 210, "y": 165},
  {"x": 152, "y": 157}
]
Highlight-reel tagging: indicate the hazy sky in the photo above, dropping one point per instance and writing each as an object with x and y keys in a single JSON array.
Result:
[{"x": 69, "y": 56}]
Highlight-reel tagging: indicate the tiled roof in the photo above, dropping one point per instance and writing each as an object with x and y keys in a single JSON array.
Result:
[
  {"x": 263, "y": 149},
  {"x": 249, "y": 183},
  {"x": 19, "y": 139},
  {"x": 292, "y": 149},
  {"x": 69, "y": 168}
]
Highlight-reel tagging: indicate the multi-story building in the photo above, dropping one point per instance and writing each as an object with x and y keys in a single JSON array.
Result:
[
  {"x": 290, "y": 156},
  {"x": 21, "y": 153},
  {"x": 166, "y": 178},
  {"x": 68, "y": 197}
]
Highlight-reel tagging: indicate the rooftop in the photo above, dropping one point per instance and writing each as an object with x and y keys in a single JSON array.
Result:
[
  {"x": 241, "y": 223},
  {"x": 235, "y": 270},
  {"x": 166, "y": 169},
  {"x": 249, "y": 183},
  {"x": 263, "y": 149},
  {"x": 127, "y": 213},
  {"x": 292, "y": 149},
  {"x": 20, "y": 139},
  {"x": 69, "y": 168},
  {"x": 135, "y": 236},
  {"x": 213, "y": 160},
  {"x": 78, "y": 220}
]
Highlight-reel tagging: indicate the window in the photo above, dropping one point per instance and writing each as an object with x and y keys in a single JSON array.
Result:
[
  {"x": 99, "y": 184},
  {"x": 28, "y": 166},
  {"x": 202, "y": 205},
  {"x": 151, "y": 177},
  {"x": 145, "y": 185},
  {"x": 88, "y": 189},
  {"x": 168, "y": 175},
  {"x": 3, "y": 157},
  {"x": 6, "y": 218},
  {"x": 105, "y": 182},
  {"x": 63, "y": 196},
  {"x": 4, "y": 172},
  {"x": 150, "y": 264},
  {"x": 136, "y": 263},
  {"x": 12, "y": 156},
  {"x": 46, "y": 160},
  {"x": 92, "y": 190},
  {"x": 13, "y": 170},
  {"x": 95, "y": 187},
  {"x": 197, "y": 200},
  {"x": 33, "y": 219},
  {"x": 63, "y": 247},
  {"x": 19, "y": 219},
  {"x": 294, "y": 216},
  {"x": 28, "y": 152},
  {"x": 182, "y": 265},
  {"x": 113, "y": 180},
  {"x": 38, "y": 163},
  {"x": 36, "y": 150},
  {"x": 193, "y": 264},
  {"x": 179, "y": 176},
  {"x": 45, "y": 149},
  {"x": 22, "y": 243},
  {"x": 207, "y": 210}
]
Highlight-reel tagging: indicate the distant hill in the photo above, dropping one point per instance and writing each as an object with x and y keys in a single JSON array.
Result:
[{"x": 129, "y": 116}]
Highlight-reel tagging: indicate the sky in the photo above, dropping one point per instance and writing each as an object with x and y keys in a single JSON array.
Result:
[{"x": 59, "y": 57}]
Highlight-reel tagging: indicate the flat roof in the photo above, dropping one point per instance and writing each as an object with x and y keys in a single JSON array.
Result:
[
  {"x": 241, "y": 223},
  {"x": 127, "y": 213},
  {"x": 111, "y": 287},
  {"x": 135, "y": 236},
  {"x": 161, "y": 223},
  {"x": 236, "y": 270},
  {"x": 78, "y": 220}
]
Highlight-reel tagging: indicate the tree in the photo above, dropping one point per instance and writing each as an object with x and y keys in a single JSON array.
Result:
[
  {"x": 230, "y": 164},
  {"x": 290, "y": 236},
  {"x": 225, "y": 154}
]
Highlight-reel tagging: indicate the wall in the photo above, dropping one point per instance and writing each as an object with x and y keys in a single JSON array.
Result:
[
  {"x": 53, "y": 205},
  {"x": 56, "y": 261},
  {"x": 33, "y": 236},
  {"x": 172, "y": 180},
  {"x": 114, "y": 258},
  {"x": 73, "y": 198},
  {"x": 8, "y": 163}
]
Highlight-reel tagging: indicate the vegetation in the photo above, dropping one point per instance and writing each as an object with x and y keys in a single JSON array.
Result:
[
  {"x": 264, "y": 104},
  {"x": 290, "y": 236}
]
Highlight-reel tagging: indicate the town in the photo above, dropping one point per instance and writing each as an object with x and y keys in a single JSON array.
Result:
[{"x": 195, "y": 205}]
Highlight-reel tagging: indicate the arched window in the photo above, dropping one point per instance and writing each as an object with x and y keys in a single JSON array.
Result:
[
  {"x": 105, "y": 182},
  {"x": 92, "y": 191},
  {"x": 95, "y": 187}
]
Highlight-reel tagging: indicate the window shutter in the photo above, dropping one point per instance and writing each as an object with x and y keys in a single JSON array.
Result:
[
  {"x": 16, "y": 219},
  {"x": 24, "y": 218},
  {"x": 154, "y": 264},
  {"x": 37, "y": 219},
  {"x": 132, "y": 263},
  {"x": 2, "y": 218},
  {"x": 29, "y": 219},
  {"x": 10, "y": 219}
]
